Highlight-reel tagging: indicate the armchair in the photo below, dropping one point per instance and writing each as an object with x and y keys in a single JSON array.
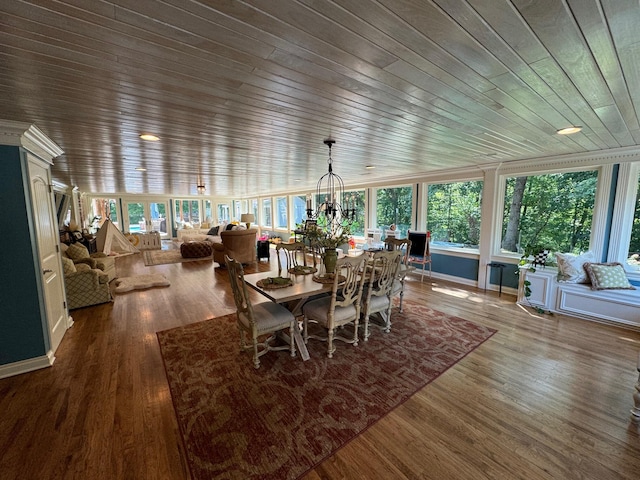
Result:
[
  {"x": 84, "y": 285},
  {"x": 241, "y": 245},
  {"x": 79, "y": 254}
]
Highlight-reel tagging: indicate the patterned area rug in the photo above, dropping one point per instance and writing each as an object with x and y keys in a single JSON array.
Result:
[
  {"x": 281, "y": 420},
  {"x": 161, "y": 257}
]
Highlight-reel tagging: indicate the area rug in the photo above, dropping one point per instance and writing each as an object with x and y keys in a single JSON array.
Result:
[
  {"x": 281, "y": 420},
  {"x": 161, "y": 257},
  {"x": 140, "y": 282}
]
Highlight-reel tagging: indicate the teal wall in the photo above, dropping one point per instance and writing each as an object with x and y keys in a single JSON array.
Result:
[{"x": 21, "y": 322}]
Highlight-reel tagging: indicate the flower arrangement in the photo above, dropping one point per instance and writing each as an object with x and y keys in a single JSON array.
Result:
[{"x": 317, "y": 235}]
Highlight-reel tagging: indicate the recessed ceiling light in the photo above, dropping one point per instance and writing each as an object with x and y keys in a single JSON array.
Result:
[
  {"x": 569, "y": 130},
  {"x": 370, "y": 167},
  {"x": 149, "y": 137},
  {"x": 141, "y": 169}
]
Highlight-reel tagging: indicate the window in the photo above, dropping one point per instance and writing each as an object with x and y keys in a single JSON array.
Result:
[
  {"x": 266, "y": 212},
  {"x": 103, "y": 208},
  {"x": 554, "y": 211},
  {"x": 187, "y": 211},
  {"x": 299, "y": 210},
  {"x": 253, "y": 208},
  {"x": 394, "y": 206},
  {"x": 355, "y": 200},
  {"x": 453, "y": 213},
  {"x": 633, "y": 253},
  {"x": 281, "y": 212},
  {"x": 224, "y": 213},
  {"x": 208, "y": 216}
]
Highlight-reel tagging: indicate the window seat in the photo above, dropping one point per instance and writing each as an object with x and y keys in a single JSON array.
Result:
[{"x": 618, "y": 307}]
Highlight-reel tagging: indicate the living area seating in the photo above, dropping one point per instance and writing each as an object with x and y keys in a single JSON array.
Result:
[
  {"x": 78, "y": 253},
  {"x": 258, "y": 319},
  {"x": 84, "y": 285},
  {"x": 237, "y": 244}
]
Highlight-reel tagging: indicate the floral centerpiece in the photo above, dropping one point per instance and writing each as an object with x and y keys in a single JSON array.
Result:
[{"x": 324, "y": 238}]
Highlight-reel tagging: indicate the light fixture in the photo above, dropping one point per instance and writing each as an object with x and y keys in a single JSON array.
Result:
[
  {"x": 201, "y": 189},
  {"x": 329, "y": 194},
  {"x": 149, "y": 137},
  {"x": 141, "y": 169},
  {"x": 569, "y": 130},
  {"x": 248, "y": 218}
]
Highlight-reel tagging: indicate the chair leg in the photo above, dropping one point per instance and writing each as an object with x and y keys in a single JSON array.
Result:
[
  {"x": 330, "y": 348},
  {"x": 401, "y": 294},
  {"x": 355, "y": 332},
  {"x": 366, "y": 328},
  {"x": 292, "y": 340},
  {"x": 256, "y": 360}
]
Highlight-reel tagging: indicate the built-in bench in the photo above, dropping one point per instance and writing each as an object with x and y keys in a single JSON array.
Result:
[{"x": 619, "y": 307}]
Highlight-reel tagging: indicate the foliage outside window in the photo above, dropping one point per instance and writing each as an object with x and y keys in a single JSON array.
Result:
[
  {"x": 633, "y": 256},
  {"x": 253, "y": 208},
  {"x": 552, "y": 211},
  {"x": 453, "y": 213},
  {"x": 187, "y": 211},
  {"x": 103, "y": 208},
  {"x": 281, "y": 212},
  {"x": 356, "y": 197},
  {"x": 394, "y": 206},
  {"x": 266, "y": 212}
]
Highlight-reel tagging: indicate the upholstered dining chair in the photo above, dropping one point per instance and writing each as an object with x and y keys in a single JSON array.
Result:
[
  {"x": 420, "y": 253},
  {"x": 259, "y": 319},
  {"x": 341, "y": 308},
  {"x": 381, "y": 270},
  {"x": 402, "y": 245}
]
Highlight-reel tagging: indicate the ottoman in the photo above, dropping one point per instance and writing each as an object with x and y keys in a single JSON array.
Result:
[{"x": 196, "y": 249}]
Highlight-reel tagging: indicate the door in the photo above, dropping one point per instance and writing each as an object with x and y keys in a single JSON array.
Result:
[
  {"x": 147, "y": 216},
  {"x": 46, "y": 231}
]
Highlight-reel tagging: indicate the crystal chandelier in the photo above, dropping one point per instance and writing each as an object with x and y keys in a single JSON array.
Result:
[{"x": 329, "y": 194}]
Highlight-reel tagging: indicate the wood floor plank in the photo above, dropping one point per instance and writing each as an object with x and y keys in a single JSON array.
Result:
[{"x": 545, "y": 397}]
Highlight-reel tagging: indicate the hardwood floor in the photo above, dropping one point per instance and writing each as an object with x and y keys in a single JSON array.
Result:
[{"x": 546, "y": 397}]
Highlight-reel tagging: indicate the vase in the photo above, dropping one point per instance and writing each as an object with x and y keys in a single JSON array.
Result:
[{"x": 329, "y": 259}]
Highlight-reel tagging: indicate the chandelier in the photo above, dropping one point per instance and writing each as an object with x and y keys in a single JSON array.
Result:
[{"x": 329, "y": 194}]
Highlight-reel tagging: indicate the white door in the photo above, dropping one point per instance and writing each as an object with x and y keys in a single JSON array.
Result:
[{"x": 46, "y": 230}]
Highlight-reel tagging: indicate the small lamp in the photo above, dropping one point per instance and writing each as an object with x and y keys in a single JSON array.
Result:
[{"x": 248, "y": 218}]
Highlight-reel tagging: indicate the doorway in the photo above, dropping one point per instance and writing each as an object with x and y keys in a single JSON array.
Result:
[{"x": 146, "y": 216}]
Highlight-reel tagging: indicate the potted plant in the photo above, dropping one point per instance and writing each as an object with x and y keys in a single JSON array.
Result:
[
  {"x": 330, "y": 242},
  {"x": 532, "y": 256}
]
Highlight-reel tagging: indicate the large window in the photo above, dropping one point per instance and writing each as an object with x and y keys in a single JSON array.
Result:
[
  {"x": 102, "y": 208},
  {"x": 633, "y": 255},
  {"x": 354, "y": 199},
  {"x": 453, "y": 213},
  {"x": 394, "y": 207},
  {"x": 553, "y": 211},
  {"x": 299, "y": 210},
  {"x": 224, "y": 213},
  {"x": 187, "y": 211},
  {"x": 266, "y": 213},
  {"x": 281, "y": 212}
]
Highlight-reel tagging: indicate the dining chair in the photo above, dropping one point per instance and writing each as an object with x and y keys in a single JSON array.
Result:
[
  {"x": 341, "y": 308},
  {"x": 402, "y": 245},
  {"x": 420, "y": 253},
  {"x": 292, "y": 254},
  {"x": 382, "y": 272},
  {"x": 258, "y": 319}
]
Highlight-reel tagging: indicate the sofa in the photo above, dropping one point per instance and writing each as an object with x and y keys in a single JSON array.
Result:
[
  {"x": 84, "y": 285},
  {"x": 237, "y": 244}
]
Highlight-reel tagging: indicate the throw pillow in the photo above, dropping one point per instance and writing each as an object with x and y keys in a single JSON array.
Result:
[
  {"x": 571, "y": 267},
  {"x": 608, "y": 276},
  {"x": 230, "y": 227},
  {"x": 77, "y": 251},
  {"x": 68, "y": 266},
  {"x": 213, "y": 231}
]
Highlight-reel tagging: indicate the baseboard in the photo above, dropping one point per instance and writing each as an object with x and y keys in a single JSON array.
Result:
[{"x": 28, "y": 365}]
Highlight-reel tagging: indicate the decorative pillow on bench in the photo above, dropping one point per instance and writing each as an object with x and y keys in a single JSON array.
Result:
[
  {"x": 608, "y": 276},
  {"x": 571, "y": 267}
]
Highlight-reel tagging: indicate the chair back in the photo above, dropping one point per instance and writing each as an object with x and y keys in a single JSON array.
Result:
[
  {"x": 348, "y": 292},
  {"x": 240, "y": 293},
  {"x": 291, "y": 253},
  {"x": 400, "y": 244},
  {"x": 382, "y": 271}
]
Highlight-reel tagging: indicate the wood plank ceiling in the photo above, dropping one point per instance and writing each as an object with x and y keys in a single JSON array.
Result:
[{"x": 243, "y": 93}]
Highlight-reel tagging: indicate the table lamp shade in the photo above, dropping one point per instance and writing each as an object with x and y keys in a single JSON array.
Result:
[{"x": 247, "y": 218}]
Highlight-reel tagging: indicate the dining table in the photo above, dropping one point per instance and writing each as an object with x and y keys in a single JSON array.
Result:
[{"x": 293, "y": 297}]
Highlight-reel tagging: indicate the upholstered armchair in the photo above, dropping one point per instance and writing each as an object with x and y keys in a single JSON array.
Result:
[
  {"x": 84, "y": 285},
  {"x": 237, "y": 244},
  {"x": 79, "y": 254}
]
